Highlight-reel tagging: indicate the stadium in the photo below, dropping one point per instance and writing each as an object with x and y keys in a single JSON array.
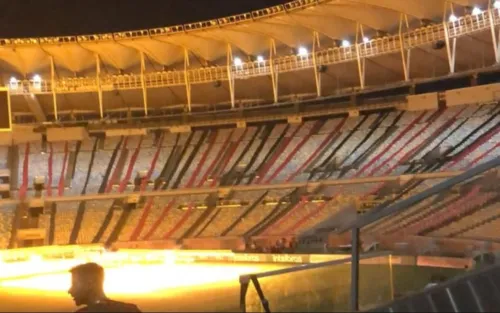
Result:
[{"x": 321, "y": 155}]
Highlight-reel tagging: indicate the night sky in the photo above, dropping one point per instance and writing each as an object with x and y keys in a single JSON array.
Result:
[{"x": 25, "y": 18}]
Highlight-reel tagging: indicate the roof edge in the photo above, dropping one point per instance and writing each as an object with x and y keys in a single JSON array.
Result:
[{"x": 265, "y": 13}]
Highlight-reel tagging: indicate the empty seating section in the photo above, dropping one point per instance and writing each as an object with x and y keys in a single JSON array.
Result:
[
  {"x": 228, "y": 215},
  {"x": 81, "y": 169},
  {"x": 234, "y": 155},
  {"x": 472, "y": 221},
  {"x": 114, "y": 219},
  {"x": 95, "y": 212},
  {"x": 65, "y": 217},
  {"x": 320, "y": 211},
  {"x": 160, "y": 209},
  {"x": 180, "y": 216},
  {"x": 223, "y": 137},
  {"x": 389, "y": 224},
  {"x": 294, "y": 135},
  {"x": 486, "y": 231},
  {"x": 6, "y": 216},
  {"x": 364, "y": 138},
  {"x": 381, "y": 144},
  {"x": 129, "y": 227},
  {"x": 295, "y": 170},
  {"x": 188, "y": 148},
  {"x": 260, "y": 212},
  {"x": 4, "y": 153},
  {"x": 289, "y": 220},
  {"x": 275, "y": 134}
]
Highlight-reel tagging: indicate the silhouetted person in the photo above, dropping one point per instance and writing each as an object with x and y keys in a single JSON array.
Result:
[{"x": 87, "y": 288}]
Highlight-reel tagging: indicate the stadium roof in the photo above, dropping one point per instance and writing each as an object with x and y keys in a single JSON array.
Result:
[{"x": 204, "y": 63}]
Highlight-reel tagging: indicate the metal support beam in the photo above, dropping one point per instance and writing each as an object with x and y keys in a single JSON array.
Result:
[
  {"x": 53, "y": 87},
  {"x": 143, "y": 84},
  {"x": 405, "y": 53},
  {"x": 186, "y": 79},
  {"x": 242, "y": 188},
  {"x": 98, "y": 81},
  {"x": 272, "y": 68},
  {"x": 35, "y": 107},
  {"x": 361, "y": 61},
  {"x": 451, "y": 46},
  {"x": 230, "y": 73},
  {"x": 354, "y": 303},
  {"x": 316, "y": 63},
  {"x": 494, "y": 39},
  {"x": 448, "y": 5}
]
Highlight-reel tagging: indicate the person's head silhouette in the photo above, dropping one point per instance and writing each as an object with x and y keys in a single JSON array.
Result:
[
  {"x": 87, "y": 284},
  {"x": 87, "y": 288}
]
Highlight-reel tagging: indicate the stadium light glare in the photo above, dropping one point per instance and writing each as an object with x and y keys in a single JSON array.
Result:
[
  {"x": 452, "y": 18},
  {"x": 260, "y": 59},
  {"x": 13, "y": 83},
  {"x": 366, "y": 39},
  {"x": 496, "y": 4},
  {"x": 476, "y": 11},
  {"x": 37, "y": 81},
  {"x": 303, "y": 51},
  {"x": 237, "y": 62},
  {"x": 346, "y": 43}
]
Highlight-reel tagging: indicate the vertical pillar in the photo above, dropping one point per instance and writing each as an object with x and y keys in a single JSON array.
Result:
[
  {"x": 186, "y": 79},
  {"x": 273, "y": 70},
  {"x": 361, "y": 61},
  {"x": 53, "y": 86},
  {"x": 451, "y": 46},
  {"x": 354, "y": 270},
  {"x": 391, "y": 277},
  {"x": 230, "y": 74},
  {"x": 143, "y": 84},
  {"x": 494, "y": 40},
  {"x": 98, "y": 81},
  {"x": 447, "y": 4},
  {"x": 405, "y": 52},
  {"x": 317, "y": 73}
]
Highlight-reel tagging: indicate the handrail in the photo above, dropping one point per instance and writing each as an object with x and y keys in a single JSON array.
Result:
[
  {"x": 295, "y": 5},
  {"x": 195, "y": 191},
  {"x": 247, "y": 277},
  {"x": 391, "y": 44},
  {"x": 219, "y": 117}
]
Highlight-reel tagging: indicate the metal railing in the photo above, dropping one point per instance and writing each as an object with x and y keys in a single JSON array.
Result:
[
  {"x": 266, "y": 304},
  {"x": 463, "y": 26}
]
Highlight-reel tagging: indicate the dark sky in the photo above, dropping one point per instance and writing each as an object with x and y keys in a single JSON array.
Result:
[{"x": 25, "y": 18}]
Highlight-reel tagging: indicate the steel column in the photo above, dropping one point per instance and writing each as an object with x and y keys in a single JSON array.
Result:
[
  {"x": 494, "y": 40},
  {"x": 186, "y": 79},
  {"x": 405, "y": 53},
  {"x": 230, "y": 73},
  {"x": 53, "y": 87},
  {"x": 451, "y": 46},
  {"x": 272, "y": 68},
  {"x": 317, "y": 73},
  {"x": 98, "y": 81},
  {"x": 143, "y": 84},
  {"x": 361, "y": 61},
  {"x": 354, "y": 303},
  {"x": 448, "y": 4}
]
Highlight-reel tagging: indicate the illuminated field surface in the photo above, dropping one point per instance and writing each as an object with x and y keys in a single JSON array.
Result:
[{"x": 170, "y": 287}]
